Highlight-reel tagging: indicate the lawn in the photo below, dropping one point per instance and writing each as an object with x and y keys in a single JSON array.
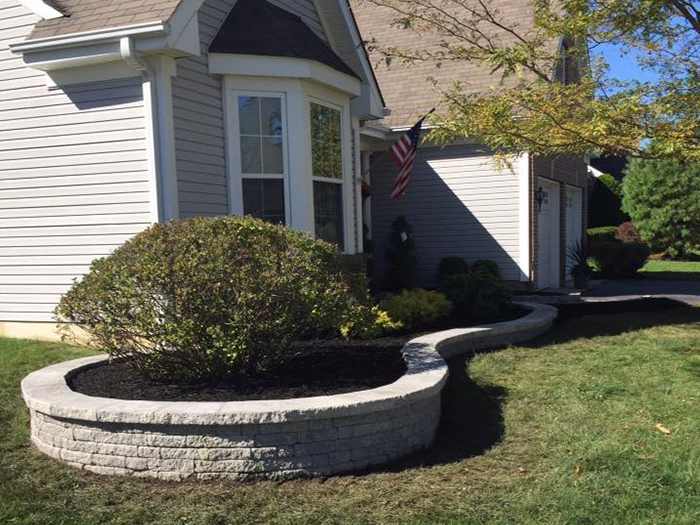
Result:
[
  {"x": 596, "y": 423},
  {"x": 672, "y": 270}
]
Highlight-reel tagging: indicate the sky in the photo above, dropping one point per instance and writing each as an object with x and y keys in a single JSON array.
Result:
[{"x": 623, "y": 67}]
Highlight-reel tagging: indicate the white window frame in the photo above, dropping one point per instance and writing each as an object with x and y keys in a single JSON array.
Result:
[
  {"x": 236, "y": 169},
  {"x": 343, "y": 174}
]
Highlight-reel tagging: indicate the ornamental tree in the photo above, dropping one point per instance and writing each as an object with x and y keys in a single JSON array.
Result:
[
  {"x": 663, "y": 199},
  {"x": 531, "y": 107}
]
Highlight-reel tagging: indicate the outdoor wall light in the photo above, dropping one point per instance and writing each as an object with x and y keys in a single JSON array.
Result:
[{"x": 542, "y": 198}]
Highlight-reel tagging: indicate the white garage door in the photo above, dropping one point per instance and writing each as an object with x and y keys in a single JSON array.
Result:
[
  {"x": 574, "y": 221},
  {"x": 548, "y": 235}
]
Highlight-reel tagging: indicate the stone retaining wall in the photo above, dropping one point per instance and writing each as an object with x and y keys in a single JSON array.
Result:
[{"x": 316, "y": 436}]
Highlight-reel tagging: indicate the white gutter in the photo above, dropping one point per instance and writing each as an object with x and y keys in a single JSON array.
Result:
[
  {"x": 91, "y": 37},
  {"x": 126, "y": 48}
]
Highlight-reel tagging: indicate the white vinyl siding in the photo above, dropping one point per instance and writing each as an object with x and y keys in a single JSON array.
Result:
[
  {"x": 198, "y": 115},
  {"x": 458, "y": 203},
  {"x": 74, "y": 180}
]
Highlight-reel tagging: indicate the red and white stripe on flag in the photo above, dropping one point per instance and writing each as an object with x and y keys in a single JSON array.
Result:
[{"x": 404, "y": 153}]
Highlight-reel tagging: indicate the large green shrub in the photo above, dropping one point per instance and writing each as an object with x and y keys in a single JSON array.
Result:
[
  {"x": 204, "y": 298},
  {"x": 663, "y": 199},
  {"x": 417, "y": 307}
]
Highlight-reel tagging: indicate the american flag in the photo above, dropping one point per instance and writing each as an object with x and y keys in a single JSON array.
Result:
[{"x": 404, "y": 153}]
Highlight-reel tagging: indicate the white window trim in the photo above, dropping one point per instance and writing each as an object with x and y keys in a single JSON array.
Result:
[
  {"x": 299, "y": 184},
  {"x": 349, "y": 245},
  {"x": 236, "y": 175}
]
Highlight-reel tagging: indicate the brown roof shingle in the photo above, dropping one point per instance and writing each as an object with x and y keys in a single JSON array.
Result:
[
  {"x": 88, "y": 15},
  {"x": 408, "y": 92}
]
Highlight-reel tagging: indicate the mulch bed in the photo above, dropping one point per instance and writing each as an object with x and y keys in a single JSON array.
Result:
[{"x": 317, "y": 368}]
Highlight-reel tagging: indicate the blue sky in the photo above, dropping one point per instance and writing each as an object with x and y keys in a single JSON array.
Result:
[{"x": 623, "y": 67}]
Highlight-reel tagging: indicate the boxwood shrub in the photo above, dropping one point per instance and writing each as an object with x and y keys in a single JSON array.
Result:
[{"x": 206, "y": 298}]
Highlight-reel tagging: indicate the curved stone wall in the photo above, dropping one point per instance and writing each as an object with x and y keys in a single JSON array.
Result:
[{"x": 316, "y": 436}]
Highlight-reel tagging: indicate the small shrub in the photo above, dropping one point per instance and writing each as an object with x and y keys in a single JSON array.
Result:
[
  {"x": 627, "y": 232},
  {"x": 205, "y": 298},
  {"x": 620, "y": 259},
  {"x": 402, "y": 273},
  {"x": 451, "y": 266},
  {"x": 417, "y": 307},
  {"x": 369, "y": 322},
  {"x": 487, "y": 267},
  {"x": 472, "y": 291},
  {"x": 601, "y": 234}
]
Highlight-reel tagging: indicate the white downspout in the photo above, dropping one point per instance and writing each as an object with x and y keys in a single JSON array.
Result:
[{"x": 160, "y": 142}]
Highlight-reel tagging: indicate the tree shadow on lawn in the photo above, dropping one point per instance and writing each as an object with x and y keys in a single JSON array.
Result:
[{"x": 472, "y": 416}]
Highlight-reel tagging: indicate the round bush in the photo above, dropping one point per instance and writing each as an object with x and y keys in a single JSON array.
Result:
[
  {"x": 487, "y": 267},
  {"x": 206, "y": 298},
  {"x": 620, "y": 259},
  {"x": 417, "y": 307},
  {"x": 451, "y": 266},
  {"x": 602, "y": 234},
  {"x": 470, "y": 292},
  {"x": 627, "y": 232}
]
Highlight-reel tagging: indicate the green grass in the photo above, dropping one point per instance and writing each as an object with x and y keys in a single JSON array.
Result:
[
  {"x": 559, "y": 431},
  {"x": 672, "y": 270}
]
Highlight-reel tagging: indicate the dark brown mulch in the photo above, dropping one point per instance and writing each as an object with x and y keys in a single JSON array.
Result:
[{"x": 317, "y": 368}]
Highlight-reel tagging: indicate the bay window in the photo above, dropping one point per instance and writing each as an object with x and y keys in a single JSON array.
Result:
[
  {"x": 327, "y": 172},
  {"x": 262, "y": 155}
]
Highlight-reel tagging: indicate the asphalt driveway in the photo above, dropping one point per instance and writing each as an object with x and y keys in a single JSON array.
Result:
[{"x": 616, "y": 289}]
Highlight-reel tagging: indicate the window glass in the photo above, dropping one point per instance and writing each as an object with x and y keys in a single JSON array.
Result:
[
  {"x": 260, "y": 128},
  {"x": 264, "y": 198},
  {"x": 326, "y": 145},
  {"x": 328, "y": 212}
]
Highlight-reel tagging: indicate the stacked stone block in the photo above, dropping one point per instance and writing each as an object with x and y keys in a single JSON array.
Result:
[
  {"x": 316, "y": 447},
  {"x": 248, "y": 440}
]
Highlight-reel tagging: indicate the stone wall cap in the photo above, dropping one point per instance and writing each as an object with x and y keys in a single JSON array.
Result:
[{"x": 47, "y": 390}]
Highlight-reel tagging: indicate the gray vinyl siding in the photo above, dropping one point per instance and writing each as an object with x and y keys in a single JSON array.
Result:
[
  {"x": 74, "y": 180},
  {"x": 198, "y": 115},
  {"x": 306, "y": 10},
  {"x": 458, "y": 203}
]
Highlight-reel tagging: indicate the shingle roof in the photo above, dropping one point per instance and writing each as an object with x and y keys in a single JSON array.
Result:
[
  {"x": 88, "y": 15},
  {"x": 256, "y": 27},
  {"x": 406, "y": 89}
]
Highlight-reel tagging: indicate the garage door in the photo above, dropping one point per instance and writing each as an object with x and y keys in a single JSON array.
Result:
[
  {"x": 574, "y": 221},
  {"x": 548, "y": 220}
]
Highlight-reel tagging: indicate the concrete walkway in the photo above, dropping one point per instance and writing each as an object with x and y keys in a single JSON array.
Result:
[{"x": 618, "y": 289}]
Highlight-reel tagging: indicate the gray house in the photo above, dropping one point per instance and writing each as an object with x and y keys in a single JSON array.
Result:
[
  {"x": 115, "y": 115},
  {"x": 459, "y": 202}
]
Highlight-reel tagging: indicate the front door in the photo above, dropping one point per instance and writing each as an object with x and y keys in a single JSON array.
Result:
[{"x": 548, "y": 221}]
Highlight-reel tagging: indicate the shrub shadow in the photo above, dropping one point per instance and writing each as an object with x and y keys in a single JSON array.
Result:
[
  {"x": 472, "y": 414},
  {"x": 471, "y": 422}
]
